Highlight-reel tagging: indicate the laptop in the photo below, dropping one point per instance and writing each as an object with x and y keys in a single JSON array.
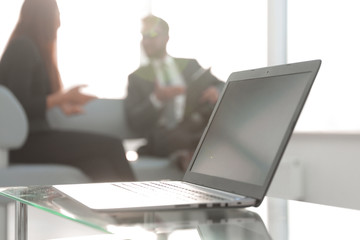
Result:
[{"x": 237, "y": 156}]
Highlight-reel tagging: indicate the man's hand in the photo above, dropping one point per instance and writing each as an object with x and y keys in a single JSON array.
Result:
[
  {"x": 164, "y": 94},
  {"x": 210, "y": 95}
]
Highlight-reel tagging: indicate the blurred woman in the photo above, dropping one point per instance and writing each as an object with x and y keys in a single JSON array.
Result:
[{"x": 29, "y": 69}]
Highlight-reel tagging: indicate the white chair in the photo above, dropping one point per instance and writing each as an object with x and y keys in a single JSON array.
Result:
[{"x": 13, "y": 133}]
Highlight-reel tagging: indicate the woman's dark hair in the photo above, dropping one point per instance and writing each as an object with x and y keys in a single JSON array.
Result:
[{"x": 39, "y": 20}]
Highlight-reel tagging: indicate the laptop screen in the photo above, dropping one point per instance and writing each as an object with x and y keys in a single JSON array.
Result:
[{"x": 248, "y": 128}]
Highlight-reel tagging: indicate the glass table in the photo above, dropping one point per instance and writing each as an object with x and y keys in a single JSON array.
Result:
[{"x": 274, "y": 219}]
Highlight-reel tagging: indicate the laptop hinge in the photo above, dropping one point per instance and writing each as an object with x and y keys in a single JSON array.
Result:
[{"x": 257, "y": 202}]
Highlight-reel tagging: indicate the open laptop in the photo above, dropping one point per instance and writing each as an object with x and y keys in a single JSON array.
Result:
[{"x": 238, "y": 154}]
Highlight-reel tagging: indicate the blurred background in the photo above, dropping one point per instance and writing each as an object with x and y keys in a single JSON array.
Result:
[{"x": 99, "y": 45}]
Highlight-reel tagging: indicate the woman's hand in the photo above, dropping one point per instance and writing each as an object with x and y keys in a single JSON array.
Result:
[
  {"x": 71, "y": 101},
  {"x": 71, "y": 109},
  {"x": 74, "y": 96}
]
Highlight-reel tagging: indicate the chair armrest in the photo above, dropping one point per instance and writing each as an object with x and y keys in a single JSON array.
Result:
[
  {"x": 13, "y": 121},
  {"x": 103, "y": 116},
  {"x": 13, "y": 124}
]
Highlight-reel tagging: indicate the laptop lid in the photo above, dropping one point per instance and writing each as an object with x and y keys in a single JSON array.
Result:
[{"x": 250, "y": 127}]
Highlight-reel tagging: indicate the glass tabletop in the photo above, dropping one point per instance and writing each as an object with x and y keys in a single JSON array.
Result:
[
  {"x": 273, "y": 219},
  {"x": 196, "y": 224},
  {"x": 50, "y": 199}
]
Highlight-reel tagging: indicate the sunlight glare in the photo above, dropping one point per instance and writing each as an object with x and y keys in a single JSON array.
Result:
[
  {"x": 98, "y": 44},
  {"x": 134, "y": 233},
  {"x": 184, "y": 234},
  {"x": 132, "y": 156}
]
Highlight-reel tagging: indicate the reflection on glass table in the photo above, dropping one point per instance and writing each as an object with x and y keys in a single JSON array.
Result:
[
  {"x": 284, "y": 220},
  {"x": 171, "y": 225}
]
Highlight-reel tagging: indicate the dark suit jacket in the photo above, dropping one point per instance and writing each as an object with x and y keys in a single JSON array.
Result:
[
  {"x": 22, "y": 70},
  {"x": 143, "y": 116}
]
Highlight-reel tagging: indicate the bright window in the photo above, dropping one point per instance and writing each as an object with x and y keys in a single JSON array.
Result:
[
  {"x": 99, "y": 40},
  {"x": 227, "y": 35},
  {"x": 98, "y": 43},
  {"x": 328, "y": 30}
]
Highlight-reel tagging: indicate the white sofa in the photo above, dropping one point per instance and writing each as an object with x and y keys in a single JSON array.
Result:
[{"x": 106, "y": 116}]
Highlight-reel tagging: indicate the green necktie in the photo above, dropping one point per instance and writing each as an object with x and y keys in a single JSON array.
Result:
[
  {"x": 165, "y": 74},
  {"x": 169, "y": 111}
]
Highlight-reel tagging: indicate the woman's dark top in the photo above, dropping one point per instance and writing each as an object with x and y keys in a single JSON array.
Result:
[
  {"x": 23, "y": 71},
  {"x": 102, "y": 158}
]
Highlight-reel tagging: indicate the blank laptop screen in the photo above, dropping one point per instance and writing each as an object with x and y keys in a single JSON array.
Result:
[{"x": 248, "y": 127}]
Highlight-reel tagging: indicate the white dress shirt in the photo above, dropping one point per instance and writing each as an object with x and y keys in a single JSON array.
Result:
[{"x": 176, "y": 79}]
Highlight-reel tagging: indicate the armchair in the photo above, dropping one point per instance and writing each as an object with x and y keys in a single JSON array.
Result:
[{"x": 13, "y": 134}]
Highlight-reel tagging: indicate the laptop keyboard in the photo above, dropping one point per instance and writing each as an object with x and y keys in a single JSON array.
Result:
[{"x": 169, "y": 190}]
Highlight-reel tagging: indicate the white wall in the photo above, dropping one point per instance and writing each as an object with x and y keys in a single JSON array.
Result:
[{"x": 331, "y": 168}]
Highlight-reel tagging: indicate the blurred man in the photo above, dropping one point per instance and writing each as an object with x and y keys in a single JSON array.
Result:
[{"x": 169, "y": 99}]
